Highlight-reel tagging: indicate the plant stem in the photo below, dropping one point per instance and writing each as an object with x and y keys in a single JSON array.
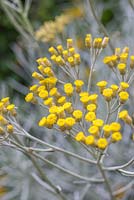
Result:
[{"x": 106, "y": 182}]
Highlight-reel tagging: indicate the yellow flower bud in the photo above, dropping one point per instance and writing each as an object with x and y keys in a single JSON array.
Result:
[
  {"x": 71, "y": 61},
  {"x": 102, "y": 143},
  {"x": 52, "y": 50},
  {"x": 115, "y": 126},
  {"x": 90, "y": 140},
  {"x": 70, "y": 122},
  {"x": 122, "y": 68},
  {"x": 90, "y": 116},
  {"x": 60, "y": 49},
  {"x": 68, "y": 89},
  {"x": 116, "y": 136},
  {"x": 80, "y": 137},
  {"x": 69, "y": 43},
  {"x": 77, "y": 59},
  {"x": 94, "y": 130},
  {"x": 77, "y": 114},
  {"x": 42, "y": 121},
  {"x": 10, "y": 128},
  {"x": 108, "y": 94},
  {"x": 88, "y": 41},
  {"x": 132, "y": 62},
  {"x": 62, "y": 124},
  {"x": 123, "y": 96}
]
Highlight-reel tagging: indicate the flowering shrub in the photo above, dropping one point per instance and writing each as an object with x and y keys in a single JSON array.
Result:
[{"x": 72, "y": 108}]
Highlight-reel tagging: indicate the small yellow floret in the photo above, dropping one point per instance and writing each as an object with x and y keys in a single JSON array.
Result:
[
  {"x": 52, "y": 50},
  {"x": 77, "y": 58},
  {"x": 43, "y": 94},
  {"x": 132, "y": 62},
  {"x": 60, "y": 61},
  {"x": 53, "y": 109},
  {"x": 108, "y": 94},
  {"x": 33, "y": 88},
  {"x": 5, "y": 100},
  {"x": 80, "y": 137},
  {"x": 1, "y": 130},
  {"x": 48, "y": 102},
  {"x": 93, "y": 98},
  {"x": 107, "y": 130},
  {"x": 122, "y": 68},
  {"x": 3, "y": 120},
  {"x": 61, "y": 100},
  {"x": 71, "y": 61},
  {"x": 88, "y": 40},
  {"x": 123, "y": 114},
  {"x": 102, "y": 85},
  {"x": 91, "y": 107},
  {"x": 82, "y": 94},
  {"x": 123, "y": 96},
  {"x": 10, "y": 128},
  {"x": 102, "y": 143},
  {"x": 52, "y": 118},
  {"x": 124, "y": 85},
  {"x": 90, "y": 140},
  {"x": 115, "y": 126},
  {"x": 94, "y": 130},
  {"x": 70, "y": 122},
  {"x": 10, "y": 107},
  {"x": 48, "y": 71},
  {"x": 69, "y": 43},
  {"x": 61, "y": 122},
  {"x": 90, "y": 116},
  {"x": 68, "y": 89},
  {"x": 84, "y": 99},
  {"x": 60, "y": 48},
  {"x": 78, "y": 84},
  {"x": 116, "y": 136},
  {"x": 29, "y": 97},
  {"x": 68, "y": 107},
  {"x": 42, "y": 121},
  {"x": 71, "y": 51},
  {"x": 98, "y": 122},
  {"x": 77, "y": 114},
  {"x": 37, "y": 76}
]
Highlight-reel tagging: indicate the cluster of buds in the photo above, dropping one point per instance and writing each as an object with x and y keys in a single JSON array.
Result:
[
  {"x": 120, "y": 61},
  {"x": 7, "y": 110},
  {"x": 96, "y": 43},
  {"x": 114, "y": 91},
  {"x": 100, "y": 135}
]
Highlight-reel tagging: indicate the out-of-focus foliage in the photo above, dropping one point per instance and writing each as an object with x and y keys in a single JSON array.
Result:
[{"x": 7, "y": 36}]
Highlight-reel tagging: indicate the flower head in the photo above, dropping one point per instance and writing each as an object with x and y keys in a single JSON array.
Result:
[{"x": 102, "y": 143}]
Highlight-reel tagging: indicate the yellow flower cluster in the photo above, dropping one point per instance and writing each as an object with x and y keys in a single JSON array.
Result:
[
  {"x": 100, "y": 134},
  {"x": 114, "y": 91},
  {"x": 48, "y": 31},
  {"x": 118, "y": 61},
  {"x": 6, "y": 110},
  {"x": 63, "y": 112}
]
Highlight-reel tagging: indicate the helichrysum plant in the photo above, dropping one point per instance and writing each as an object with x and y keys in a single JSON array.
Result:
[{"x": 73, "y": 108}]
